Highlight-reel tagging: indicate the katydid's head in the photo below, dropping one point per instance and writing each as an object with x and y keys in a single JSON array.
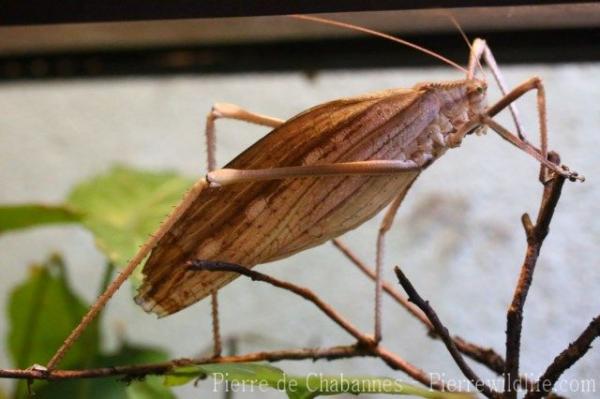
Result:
[{"x": 477, "y": 98}]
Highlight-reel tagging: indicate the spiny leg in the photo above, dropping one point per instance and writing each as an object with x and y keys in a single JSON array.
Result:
[
  {"x": 541, "y": 155},
  {"x": 480, "y": 47},
  {"x": 536, "y": 84},
  {"x": 114, "y": 286},
  {"x": 480, "y": 50},
  {"x": 226, "y": 111}
]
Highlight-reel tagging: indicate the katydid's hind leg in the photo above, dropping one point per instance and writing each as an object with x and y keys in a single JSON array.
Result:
[
  {"x": 385, "y": 226},
  {"x": 480, "y": 50},
  {"x": 230, "y": 111},
  {"x": 226, "y": 111}
]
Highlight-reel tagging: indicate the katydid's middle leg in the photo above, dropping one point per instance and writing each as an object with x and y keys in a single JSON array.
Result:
[
  {"x": 231, "y": 111},
  {"x": 226, "y": 111}
]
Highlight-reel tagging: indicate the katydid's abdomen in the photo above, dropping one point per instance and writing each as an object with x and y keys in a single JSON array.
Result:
[{"x": 258, "y": 222}]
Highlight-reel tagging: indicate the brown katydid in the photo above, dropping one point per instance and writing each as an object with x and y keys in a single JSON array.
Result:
[{"x": 314, "y": 177}]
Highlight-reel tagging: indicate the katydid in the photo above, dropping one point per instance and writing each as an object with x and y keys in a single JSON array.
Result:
[{"x": 316, "y": 176}]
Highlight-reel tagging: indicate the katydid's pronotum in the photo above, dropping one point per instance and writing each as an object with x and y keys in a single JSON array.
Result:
[{"x": 314, "y": 177}]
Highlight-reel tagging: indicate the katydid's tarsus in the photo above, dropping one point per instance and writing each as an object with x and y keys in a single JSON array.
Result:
[{"x": 314, "y": 177}]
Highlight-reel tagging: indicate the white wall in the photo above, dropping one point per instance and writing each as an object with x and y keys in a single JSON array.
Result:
[{"x": 458, "y": 234}]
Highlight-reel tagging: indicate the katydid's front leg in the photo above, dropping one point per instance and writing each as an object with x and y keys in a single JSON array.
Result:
[
  {"x": 479, "y": 50},
  {"x": 541, "y": 154},
  {"x": 226, "y": 111}
]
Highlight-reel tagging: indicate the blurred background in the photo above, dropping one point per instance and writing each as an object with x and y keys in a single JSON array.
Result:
[{"x": 76, "y": 99}]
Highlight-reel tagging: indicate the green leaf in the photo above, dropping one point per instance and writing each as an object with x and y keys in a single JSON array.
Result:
[
  {"x": 183, "y": 375},
  {"x": 15, "y": 217},
  {"x": 301, "y": 387},
  {"x": 323, "y": 385},
  {"x": 124, "y": 206},
  {"x": 252, "y": 373},
  {"x": 42, "y": 311},
  {"x": 151, "y": 388}
]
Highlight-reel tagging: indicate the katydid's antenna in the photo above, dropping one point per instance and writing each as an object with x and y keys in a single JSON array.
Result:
[
  {"x": 346, "y": 25},
  {"x": 466, "y": 39}
]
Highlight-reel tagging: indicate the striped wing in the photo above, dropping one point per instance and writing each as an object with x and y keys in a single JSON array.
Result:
[{"x": 253, "y": 223}]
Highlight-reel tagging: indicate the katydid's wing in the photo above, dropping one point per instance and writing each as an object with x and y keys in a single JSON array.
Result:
[{"x": 253, "y": 223}]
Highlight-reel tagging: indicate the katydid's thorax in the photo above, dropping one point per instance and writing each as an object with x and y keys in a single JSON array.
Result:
[{"x": 453, "y": 105}]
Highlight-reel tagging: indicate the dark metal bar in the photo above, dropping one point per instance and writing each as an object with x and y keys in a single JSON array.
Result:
[
  {"x": 19, "y": 12},
  {"x": 548, "y": 46}
]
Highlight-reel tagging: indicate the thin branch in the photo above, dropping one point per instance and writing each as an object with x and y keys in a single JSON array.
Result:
[
  {"x": 397, "y": 363},
  {"x": 301, "y": 291},
  {"x": 364, "y": 347},
  {"x": 138, "y": 371},
  {"x": 387, "y": 287},
  {"x": 486, "y": 356},
  {"x": 364, "y": 341},
  {"x": 535, "y": 238},
  {"x": 576, "y": 350},
  {"x": 442, "y": 331}
]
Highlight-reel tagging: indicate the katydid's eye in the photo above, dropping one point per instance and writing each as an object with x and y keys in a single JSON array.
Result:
[{"x": 479, "y": 89}]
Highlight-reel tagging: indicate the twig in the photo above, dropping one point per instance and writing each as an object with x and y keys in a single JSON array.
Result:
[
  {"x": 486, "y": 356},
  {"x": 397, "y": 363},
  {"x": 442, "y": 331},
  {"x": 364, "y": 341},
  {"x": 535, "y": 238},
  {"x": 136, "y": 371},
  {"x": 387, "y": 287},
  {"x": 301, "y": 291},
  {"x": 565, "y": 359}
]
